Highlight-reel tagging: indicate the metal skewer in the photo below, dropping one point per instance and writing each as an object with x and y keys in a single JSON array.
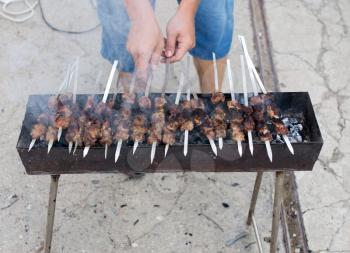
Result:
[
  {"x": 31, "y": 145},
  {"x": 254, "y": 74},
  {"x": 245, "y": 92},
  {"x": 70, "y": 146},
  {"x": 117, "y": 151},
  {"x": 166, "y": 79},
  {"x": 188, "y": 97},
  {"x": 216, "y": 83},
  {"x": 104, "y": 99},
  {"x": 229, "y": 74},
  {"x": 267, "y": 143},
  {"x": 49, "y": 146}
]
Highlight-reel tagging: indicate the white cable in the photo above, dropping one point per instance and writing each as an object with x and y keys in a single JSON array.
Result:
[{"x": 13, "y": 15}]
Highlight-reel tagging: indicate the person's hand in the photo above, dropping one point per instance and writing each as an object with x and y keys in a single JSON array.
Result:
[
  {"x": 180, "y": 35},
  {"x": 145, "y": 40}
]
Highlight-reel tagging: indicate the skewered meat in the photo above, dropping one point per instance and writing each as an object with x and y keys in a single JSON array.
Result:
[
  {"x": 106, "y": 134},
  {"x": 236, "y": 117},
  {"x": 128, "y": 98},
  {"x": 51, "y": 134},
  {"x": 237, "y": 133},
  {"x": 105, "y": 109},
  {"x": 217, "y": 97},
  {"x": 158, "y": 117},
  {"x": 124, "y": 114},
  {"x": 122, "y": 132},
  {"x": 272, "y": 111},
  {"x": 249, "y": 124},
  {"x": 139, "y": 128},
  {"x": 264, "y": 132},
  {"x": 258, "y": 116},
  {"x": 145, "y": 102},
  {"x": 159, "y": 102},
  {"x": 234, "y": 105},
  {"x": 186, "y": 105},
  {"x": 38, "y": 131},
  {"x": 247, "y": 109},
  {"x": 198, "y": 116},
  {"x": 63, "y": 117},
  {"x": 197, "y": 104},
  {"x": 91, "y": 132},
  {"x": 280, "y": 127},
  {"x": 168, "y": 136},
  {"x": 207, "y": 128},
  {"x": 256, "y": 100}
]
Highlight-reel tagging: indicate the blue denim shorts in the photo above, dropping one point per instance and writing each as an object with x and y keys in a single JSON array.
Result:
[{"x": 213, "y": 26}]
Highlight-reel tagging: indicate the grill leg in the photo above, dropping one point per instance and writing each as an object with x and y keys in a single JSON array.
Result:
[
  {"x": 276, "y": 210},
  {"x": 51, "y": 212},
  {"x": 254, "y": 197}
]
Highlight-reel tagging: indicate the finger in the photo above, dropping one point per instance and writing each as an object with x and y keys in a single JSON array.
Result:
[
  {"x": 141, "y": 65},
  {"x": 179, "y": 53},
  {"x": 157, "y": 54},
  {"x": 170, "y": 45}
]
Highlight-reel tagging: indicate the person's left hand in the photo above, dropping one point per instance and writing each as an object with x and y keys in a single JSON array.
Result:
[{"x": 180, "y": 35}]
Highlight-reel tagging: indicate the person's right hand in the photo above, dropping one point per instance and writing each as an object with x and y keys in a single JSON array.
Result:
[{"x": 145, "y": 41}]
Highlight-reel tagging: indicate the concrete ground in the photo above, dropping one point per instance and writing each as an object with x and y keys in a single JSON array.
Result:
[
  {"x": 311, "y": 49},
  {"x": 172, "y": 212}
]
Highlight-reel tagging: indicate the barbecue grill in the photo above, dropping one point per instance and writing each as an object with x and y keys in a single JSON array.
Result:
[
  {"x": 59, "y": 161},
  {"x": 281, "y": 129}
]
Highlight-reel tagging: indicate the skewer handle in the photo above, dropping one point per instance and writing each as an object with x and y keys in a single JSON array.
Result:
[
  {"x": 76, "y": 81},
  {"x": 148, "y": 86},
  {"x": 230, "y": 80},
  {"x": 216, "y": 78},
  {"x": 181, "y": 84},
  {"x": 109, "y": 82},
  {"x": 244, "y": 80}
]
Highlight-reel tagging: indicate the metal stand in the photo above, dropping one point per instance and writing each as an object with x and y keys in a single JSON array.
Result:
[
  {"x": 276, "y": 209},
  {"x": 51, "y": 212}
]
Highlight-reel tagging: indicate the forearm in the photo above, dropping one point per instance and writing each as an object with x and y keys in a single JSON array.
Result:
[
  {"x": 189, "y": 6},
  {"x": 138, "y": 9}
]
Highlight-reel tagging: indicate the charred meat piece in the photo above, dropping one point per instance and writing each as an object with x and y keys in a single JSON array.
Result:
[
  {"x": 249, "y": 124},
  {"x": 106, "y": 134},
  {"x": 124, "y": 114},
  {"x": 63, "y": 117},
  {"x": 186, "y": 105},
  {"x": 154, "y": 137},
  {"x": 258, "y": 116},
  {"x": 122, "y": 131},
  {"x": 247, "y": 109},
  {"x": 145, "y": 103},
  {"x": 234, "y": 105},
  {"x": 220, "y": 131},
  {"x": 198, "y": 116},
  {"x": 91, "y": 132},
  {"x": 172, "y": 125},
  {"x": 217, "y": 98},
  {"x": 237, "y": 133},
  {"x": 280, "y": 127},
  {"x": 207, "y": 128},
  {"x": 272, "y": 111},
  {"x": 74, "y": 133},
  {"x": 159, "y": 103},
  {"x": 38, "y": 130},
  {"x": 158, "y": 117},
  {"x": 236, "y": 117},
  {"x": 168, "y": 136},
  {"x": 197, "y": 104},
  {"x": 256, "y": 100},
  {"x": 139, "y": 128},
  {"x": 51, "y": 134},
  {"x": 264, "y": 132},
  {"x": 128, "y": 98},
  {"x": 104, "y": 109}
]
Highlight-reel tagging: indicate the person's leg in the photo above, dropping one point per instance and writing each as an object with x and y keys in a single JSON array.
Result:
[
  {"x": 214, "y": 30},
  {"x": 115, "y": 25},
  {"x": 205, "y": 71}
]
